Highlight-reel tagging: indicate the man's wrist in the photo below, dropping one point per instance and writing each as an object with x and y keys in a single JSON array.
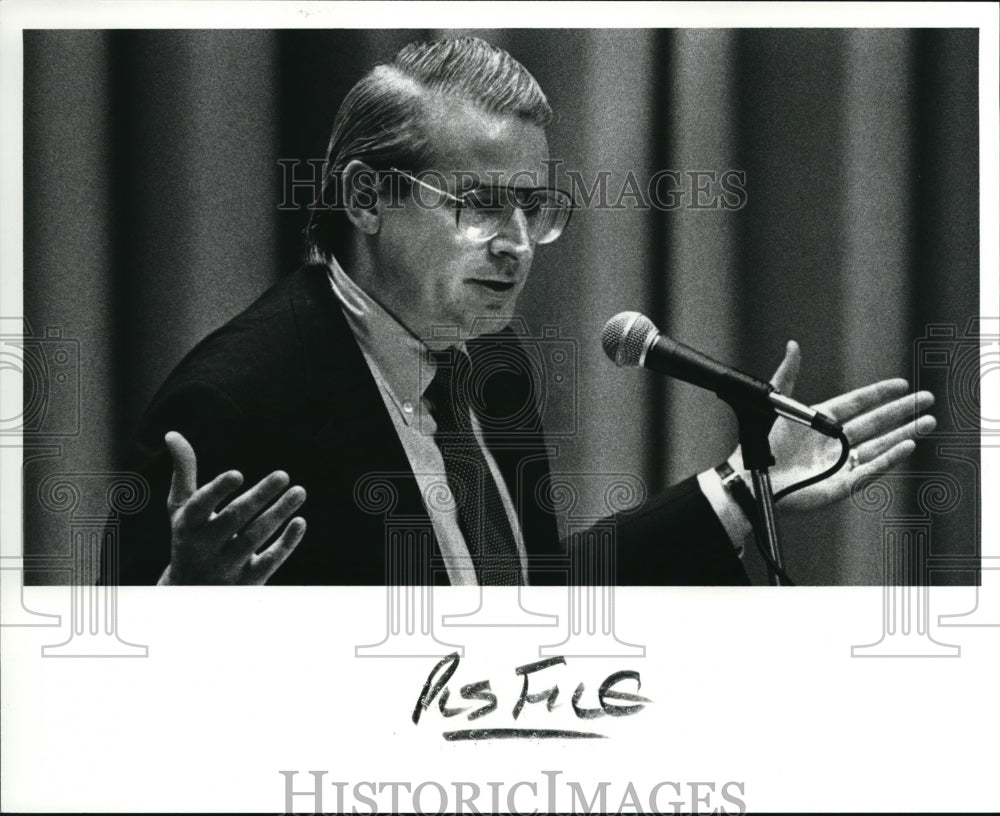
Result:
[
  {"x": 736, "y": 486},
  {"x": 729, "y": 513}
]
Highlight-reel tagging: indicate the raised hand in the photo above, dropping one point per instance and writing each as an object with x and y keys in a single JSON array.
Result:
[
  {"x": 880, "y": 421},
  {"x": 216, "y": 543}
]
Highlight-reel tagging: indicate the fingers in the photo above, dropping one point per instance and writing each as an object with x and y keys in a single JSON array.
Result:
[
  {"x": 184, "y": 480},
  {"x": 892, "y": 457},
  {"x": 202, "y": 504},
  {"x": 880, "y": 444},
  {"x": 267, "y": 523},
  {"x": 784, "y": 378},
  {"x": 264, "y": 565},
  {"x": 887, "y": 417},
  {"x": 240, "y": 510},
  {"x": 846, "y": 406}
]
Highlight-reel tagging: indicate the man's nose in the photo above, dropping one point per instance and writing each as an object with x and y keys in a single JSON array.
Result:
[{"x": 513, "y": 239}]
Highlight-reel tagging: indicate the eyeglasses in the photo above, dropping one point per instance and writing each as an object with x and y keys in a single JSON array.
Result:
[{"x": 482, "y": 213}]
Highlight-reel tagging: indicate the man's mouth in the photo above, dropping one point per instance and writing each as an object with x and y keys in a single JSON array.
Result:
[{"x": 495, "y": 285}]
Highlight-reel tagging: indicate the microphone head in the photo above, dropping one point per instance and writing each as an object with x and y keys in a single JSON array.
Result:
[{"x": 625, "y": 336}]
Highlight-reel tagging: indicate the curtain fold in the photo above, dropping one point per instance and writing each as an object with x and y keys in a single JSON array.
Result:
[{"x": 702, "y": 293}]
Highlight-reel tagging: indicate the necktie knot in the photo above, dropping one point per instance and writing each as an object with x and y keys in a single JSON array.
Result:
[{"x": 449, "y": 392}]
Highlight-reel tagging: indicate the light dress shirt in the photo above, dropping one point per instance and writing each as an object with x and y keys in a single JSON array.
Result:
[{"x": 402, "y": 369}]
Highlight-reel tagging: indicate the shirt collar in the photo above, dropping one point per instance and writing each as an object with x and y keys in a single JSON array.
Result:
[{"x": 402, "y": 360}]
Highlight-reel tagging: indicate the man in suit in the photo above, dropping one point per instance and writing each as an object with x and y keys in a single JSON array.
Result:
[{"x": 363, "y": 373}]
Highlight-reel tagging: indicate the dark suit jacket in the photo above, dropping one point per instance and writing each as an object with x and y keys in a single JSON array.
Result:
[{"x": 284, "y": 386}]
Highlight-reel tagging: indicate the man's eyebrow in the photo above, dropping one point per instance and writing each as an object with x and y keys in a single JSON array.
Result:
[
  {"x": 494, "y": 179},
  {"x": 500, "y": 195},
  {"x": 516, "y": 187}
]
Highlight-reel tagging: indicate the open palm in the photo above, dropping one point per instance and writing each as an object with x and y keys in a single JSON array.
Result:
[{"x": 880, "y": 421}]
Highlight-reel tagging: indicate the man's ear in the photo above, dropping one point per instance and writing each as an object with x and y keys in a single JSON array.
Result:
[{"x": 362, "y": 204}]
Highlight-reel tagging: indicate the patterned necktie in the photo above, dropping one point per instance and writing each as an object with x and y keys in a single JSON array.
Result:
[{"x": 481, "y": 514}]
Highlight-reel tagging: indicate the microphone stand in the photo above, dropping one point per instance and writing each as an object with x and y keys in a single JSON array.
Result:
[{"x": 755, "y": 423}]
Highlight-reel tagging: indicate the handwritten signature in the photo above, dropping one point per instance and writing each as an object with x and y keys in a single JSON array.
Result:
[{"x": 609, "y": 699}]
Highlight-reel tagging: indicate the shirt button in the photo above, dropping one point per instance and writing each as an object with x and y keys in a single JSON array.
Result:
[{"x": 408, "y": 407}]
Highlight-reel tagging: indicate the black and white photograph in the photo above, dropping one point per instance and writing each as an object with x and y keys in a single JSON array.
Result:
[{"x": 430, "y": 407}]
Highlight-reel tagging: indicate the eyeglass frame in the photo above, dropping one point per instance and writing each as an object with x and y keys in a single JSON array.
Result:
[{"x": 460, "y": 201}]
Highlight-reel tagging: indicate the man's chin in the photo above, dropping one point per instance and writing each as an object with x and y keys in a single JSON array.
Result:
[
  {"x": 489, "y": 324},
  {"x": 445, "y": 335}
]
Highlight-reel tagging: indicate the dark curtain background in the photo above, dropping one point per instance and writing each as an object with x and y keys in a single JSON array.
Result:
[{"x": 152, "y": 187}]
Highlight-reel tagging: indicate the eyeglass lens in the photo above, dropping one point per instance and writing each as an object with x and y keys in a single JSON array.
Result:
[{"x": 484, "y": 213}]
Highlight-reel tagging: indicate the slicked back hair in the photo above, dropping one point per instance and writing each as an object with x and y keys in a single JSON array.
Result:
[{"x": 382, "y": 119}]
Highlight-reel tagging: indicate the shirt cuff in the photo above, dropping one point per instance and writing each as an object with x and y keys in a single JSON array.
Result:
[{"x": 732, "y": 517}]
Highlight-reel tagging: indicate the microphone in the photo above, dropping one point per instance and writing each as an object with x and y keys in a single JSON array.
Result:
[{"x": 630, "y": 339}]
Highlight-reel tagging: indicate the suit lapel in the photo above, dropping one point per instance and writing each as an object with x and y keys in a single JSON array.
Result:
[{"x": 356, "y": 432}]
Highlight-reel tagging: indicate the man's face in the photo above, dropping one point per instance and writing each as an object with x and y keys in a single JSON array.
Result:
[{"x": 429, "y": 274}]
